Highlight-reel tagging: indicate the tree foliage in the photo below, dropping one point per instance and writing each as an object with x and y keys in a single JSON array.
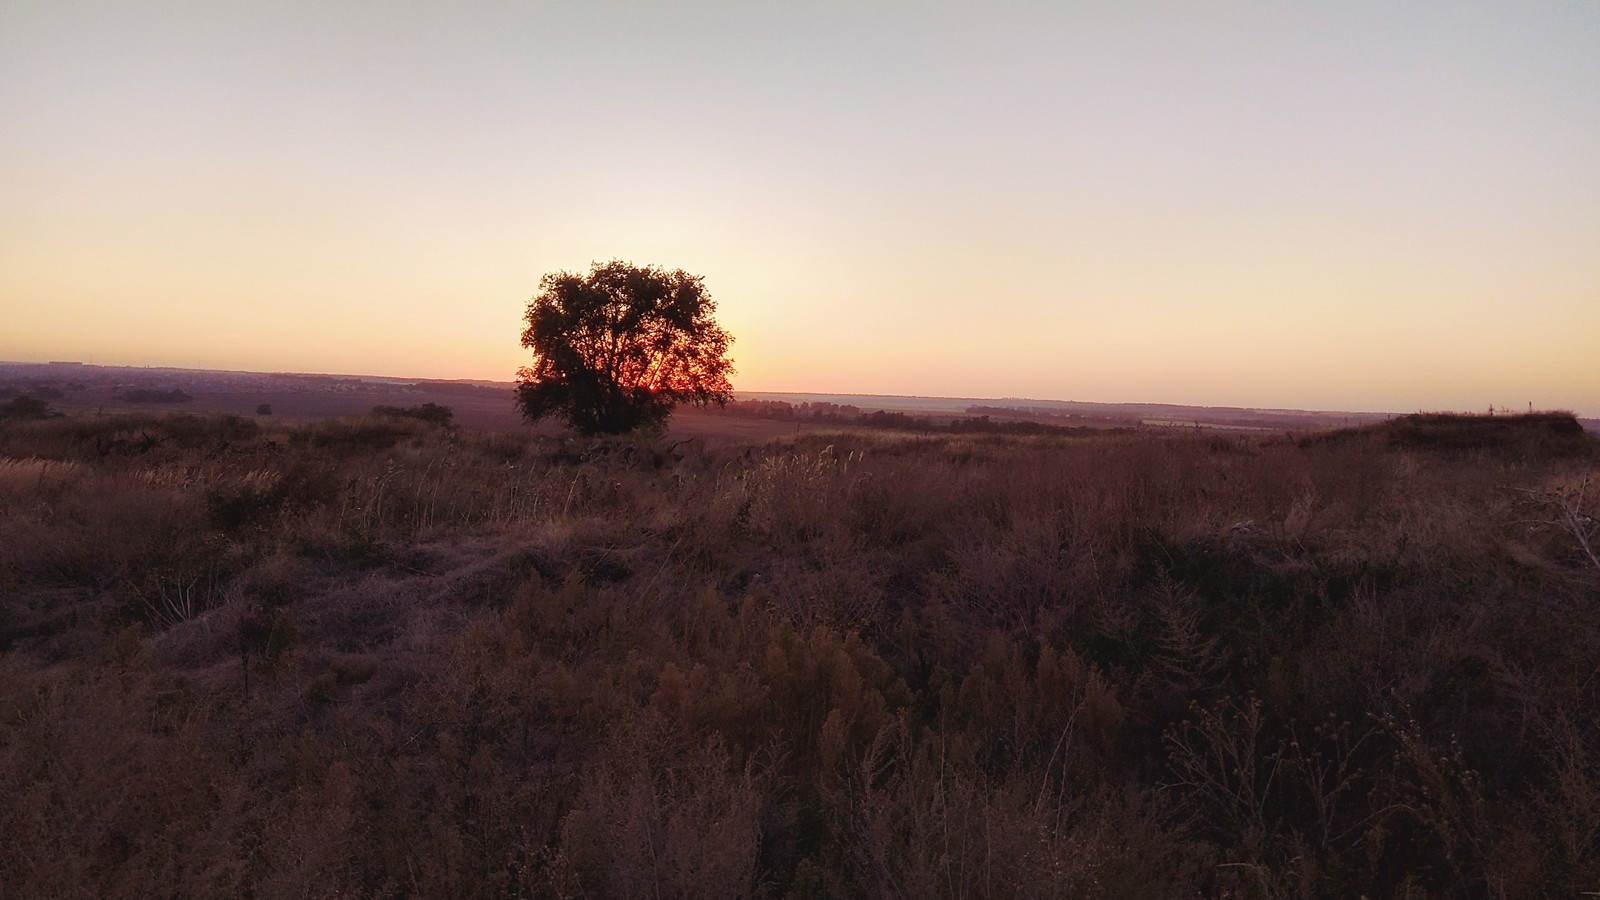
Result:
[{"x": 616, "y": 350}]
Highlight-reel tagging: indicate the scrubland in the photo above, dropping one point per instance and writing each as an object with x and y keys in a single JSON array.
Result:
[{"x": 374, "y": 657}]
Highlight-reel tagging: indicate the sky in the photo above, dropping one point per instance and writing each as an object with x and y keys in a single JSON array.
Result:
[{"x": 1345, "y": 205}]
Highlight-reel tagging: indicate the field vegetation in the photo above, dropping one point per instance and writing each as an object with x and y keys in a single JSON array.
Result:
[{"x": 380, "y": 656}]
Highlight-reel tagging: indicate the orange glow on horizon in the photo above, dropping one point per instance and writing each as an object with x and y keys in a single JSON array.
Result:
[{"x": 1374, "y": 208}]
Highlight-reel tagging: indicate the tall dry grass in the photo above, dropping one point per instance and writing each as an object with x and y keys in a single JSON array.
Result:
[{"x": 378, "y": 658}]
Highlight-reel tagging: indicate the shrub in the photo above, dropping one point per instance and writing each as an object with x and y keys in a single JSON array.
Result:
[
  {"x": 432, "y": 413},
  {"x": 25, "y": 408}
]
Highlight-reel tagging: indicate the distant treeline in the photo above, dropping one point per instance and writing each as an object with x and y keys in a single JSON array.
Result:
[
  {"x": 976, "y": 421},
  {"x": 432, "y": 413},
  {"x": 150, "y": 395},
  {"x": 460, "y": 388},
  {"x": 780, "y": 409},
  {"x": 1048, "y": 416}
]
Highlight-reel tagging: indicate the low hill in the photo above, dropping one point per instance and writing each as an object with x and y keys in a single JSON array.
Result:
[{"x": 1528, "y": 434}]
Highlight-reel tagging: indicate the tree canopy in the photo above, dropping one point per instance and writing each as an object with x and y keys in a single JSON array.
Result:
[{"x": 617, "y": 349}]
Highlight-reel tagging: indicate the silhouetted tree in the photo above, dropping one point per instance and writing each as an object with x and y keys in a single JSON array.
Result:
[
  {"x": 617, "y": 349},
  {"x": 264, "y": 409}
]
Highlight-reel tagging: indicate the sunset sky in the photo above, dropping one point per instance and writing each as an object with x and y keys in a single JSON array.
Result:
[{"x": 1341, "y": 205}]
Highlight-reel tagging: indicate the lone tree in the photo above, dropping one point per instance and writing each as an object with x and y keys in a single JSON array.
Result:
[{"x": 616, "y": 350}]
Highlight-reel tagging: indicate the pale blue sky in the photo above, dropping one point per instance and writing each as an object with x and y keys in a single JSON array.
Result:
[{"x": 1340, "y": 205}]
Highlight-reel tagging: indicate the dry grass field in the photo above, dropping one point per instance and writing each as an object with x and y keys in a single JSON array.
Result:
[{"x": 370, "y": 657}]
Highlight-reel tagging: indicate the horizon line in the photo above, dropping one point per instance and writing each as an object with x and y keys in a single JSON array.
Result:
[{"x": 893, "y": 396}]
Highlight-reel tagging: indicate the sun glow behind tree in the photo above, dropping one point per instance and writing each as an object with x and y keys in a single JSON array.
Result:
[
  {"x": 1361, "y": 205},
  {"x": 617, "y": 349}
]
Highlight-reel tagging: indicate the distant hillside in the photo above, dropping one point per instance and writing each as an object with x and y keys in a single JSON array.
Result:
[
  {"x": 1522, "y": 435},
  {"x": 1167, "y": 414},
  {"x": 488, "y": 404}
]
